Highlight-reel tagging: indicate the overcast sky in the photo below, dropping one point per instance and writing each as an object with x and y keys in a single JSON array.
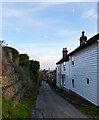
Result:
[{"x": 43, "y": 29}]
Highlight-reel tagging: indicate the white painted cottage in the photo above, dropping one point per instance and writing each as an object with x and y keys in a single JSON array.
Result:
[{"x": 79, "y": 70}]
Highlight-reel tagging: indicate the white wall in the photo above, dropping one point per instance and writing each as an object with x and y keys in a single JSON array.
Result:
[
  {"x": 58, "y": 73},
  {"x": 67, "y": 74},
  {"x": 85, "y": 66},
  {"x": 61, "y": 71},
  {"x": 98, "y": 75}
]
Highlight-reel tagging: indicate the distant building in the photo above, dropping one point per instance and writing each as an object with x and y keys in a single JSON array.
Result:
[{"x": 79, "y": 70}]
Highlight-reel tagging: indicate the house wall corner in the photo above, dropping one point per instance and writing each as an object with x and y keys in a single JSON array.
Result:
[{"x": 98, "y": 74}]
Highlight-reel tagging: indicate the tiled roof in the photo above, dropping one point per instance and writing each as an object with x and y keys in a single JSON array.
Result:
[
  {"x": 88, "y": 43},
  {"x": 63, "y": 60}
]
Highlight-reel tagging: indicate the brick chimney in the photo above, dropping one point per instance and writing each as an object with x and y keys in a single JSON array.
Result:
[
  {"x": 83, "y": 38},
  {"x": 65, "y": 51}
]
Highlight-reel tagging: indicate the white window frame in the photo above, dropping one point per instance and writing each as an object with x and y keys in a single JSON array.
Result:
[
  {"x": 63, "y": 79},
  {"x": 87, "y": 81},
  {"x": 73, "y": 83},
  {"x": 72, "y": 61},
  {"x": 64, "y": 66},
  {"x": 58, "y": 68}
]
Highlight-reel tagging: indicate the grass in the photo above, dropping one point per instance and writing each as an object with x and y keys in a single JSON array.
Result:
[
  {"x": 89, "y": 110},
  {"x": 22, "y": 109},
  {"x": 84, "y": 106}
]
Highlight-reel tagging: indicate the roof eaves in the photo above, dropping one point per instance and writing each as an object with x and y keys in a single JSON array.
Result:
[
  {"x": 88, "y": 43},
  {"x": 63, "y": 60}
]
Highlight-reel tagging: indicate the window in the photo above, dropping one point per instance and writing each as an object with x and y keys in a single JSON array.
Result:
[
  {"x": 58, "y": 78},
  {"x": 87, "y": 81},
  {"x": 73, "y": 83},
  {"x": 72, "y": 61},
  {"x": 64, "y": 68},
  {"x": 63, "y": 79},
  {"x": 58, "y": 68}
]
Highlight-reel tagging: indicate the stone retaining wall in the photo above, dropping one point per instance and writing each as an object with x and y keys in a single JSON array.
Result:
[{"x": 15, "y": 80}]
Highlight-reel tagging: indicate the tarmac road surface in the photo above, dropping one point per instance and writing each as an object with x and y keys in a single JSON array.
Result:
[{"x": 50, "y": 105}]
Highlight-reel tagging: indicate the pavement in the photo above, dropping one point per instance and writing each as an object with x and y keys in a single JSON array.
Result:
[{"x": 50, "y": 105}]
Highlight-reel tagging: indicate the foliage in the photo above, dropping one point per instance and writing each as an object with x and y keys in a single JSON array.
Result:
[
  {"x": 89, "y": 110},
  {"x": 26, "y": 69},
  {"x": 13, "y": 51},
  {"x": 34, "y": 66},
  {"x": 31, "y": 64},
  {"x": 23, "y": 57},
  {"x": 6, "y": 51},
  {"x": 22, "y": 109},
  {"x": 24, "y": 60}
]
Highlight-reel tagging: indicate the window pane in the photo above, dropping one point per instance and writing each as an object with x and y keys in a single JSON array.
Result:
[{"x": 87, "y": 80}]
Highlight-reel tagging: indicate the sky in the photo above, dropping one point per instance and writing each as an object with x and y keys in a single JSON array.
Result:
[{"x": 43, "y": 29}]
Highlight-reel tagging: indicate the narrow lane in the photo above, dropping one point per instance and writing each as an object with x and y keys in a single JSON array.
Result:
[{"x": 51, "y": 105}]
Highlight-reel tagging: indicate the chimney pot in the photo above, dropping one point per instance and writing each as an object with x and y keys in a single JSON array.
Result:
[
  {"x": 83, "y": 38},
  {"x": 65, "y": 51},
  {"x": 83, "y": 32}
]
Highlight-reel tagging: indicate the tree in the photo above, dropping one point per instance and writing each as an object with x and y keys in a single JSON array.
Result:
[
  {"x": 34, "y": 66},
  {"x": 24, "y": 60}
]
